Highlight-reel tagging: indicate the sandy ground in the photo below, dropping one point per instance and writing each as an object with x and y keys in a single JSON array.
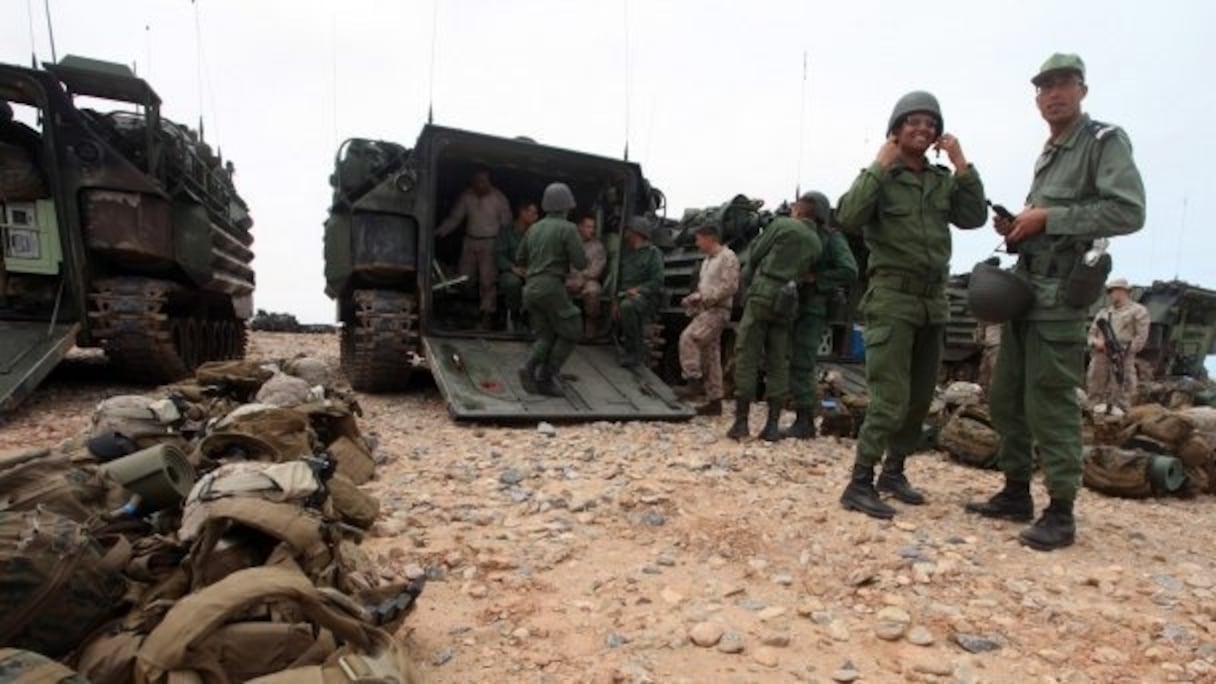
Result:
[{"x": 608, "y": 551}]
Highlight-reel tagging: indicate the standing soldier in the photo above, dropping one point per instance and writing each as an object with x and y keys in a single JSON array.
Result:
[
  {"x": 835, "y": 269},
  {"x": 639, "y": 286},
  {"x": 709, "y": 306},
  {"x": 511, "y": 276},
  {"x": 777, "y": 263},
  {"x": 1130, "y": 322},
  {"x": 1085, "y": 187},
  {"x": 903, "y": 206},
  {"x": 548, "y": 251},
  {"x": 483, "y": 210}
]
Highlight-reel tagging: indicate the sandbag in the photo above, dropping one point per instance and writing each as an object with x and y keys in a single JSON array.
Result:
[
  {"x": 27, "y": 667},
  {"x": 1117, "y": 472},
  {"x": 56, "y": 583},
  {"x": 352, "y": 460},
  {"x": 30, "y": 478},
  {"x": 969, "y": 437}
]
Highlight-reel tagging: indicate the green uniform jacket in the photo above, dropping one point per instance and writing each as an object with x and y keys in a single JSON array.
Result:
[
  {"x": 836, "y": 268},
  {"x": 905, "y": 218},
  {"x": 785, "y": 251},
  {"x": 506, "y": 246},
  {"x": 551, "y": 247},
  {"x": 642, "y": 268},
  {"x": 1091, "y": 189}
]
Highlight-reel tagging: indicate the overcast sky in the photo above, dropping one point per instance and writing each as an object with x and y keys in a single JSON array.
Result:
[{"x": 711, "y": 93}]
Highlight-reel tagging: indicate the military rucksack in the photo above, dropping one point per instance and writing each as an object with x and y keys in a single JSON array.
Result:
[
  {"x": 57, "y": 584},
  {"x": 969, "y": 437},
  {"x": 1117, "y": 472},
  {"x": 30, "y": 478},
  {"x": 28, "y": 667}
]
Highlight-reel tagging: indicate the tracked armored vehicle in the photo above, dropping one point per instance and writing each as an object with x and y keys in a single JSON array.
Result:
[
  {"x": 121, "y": 230},
  {"x": 402, "y": 306}
]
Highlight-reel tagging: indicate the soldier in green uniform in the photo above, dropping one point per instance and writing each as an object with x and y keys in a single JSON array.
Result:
[
  {"x": 511, "y": 276},
  {"x": 903, "y": 206},
  {"x": 1085, "y": 187},
  {"x": 548, "y": 251},
  {"x": 834, "y": 270},
  {"x": 639, "y": 286},
  {"x": 777, "y": 263}
]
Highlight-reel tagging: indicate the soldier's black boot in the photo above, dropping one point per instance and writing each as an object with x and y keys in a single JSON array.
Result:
[
  {"x": 893, "y": 481},
  {"x": 803, "y": 426},
  {"x": 1055, "y": 529},
  {"x": 710, "y": 408},
  {"x": 772, "y": 425},
  {"x": 527, "y": 377},
  {"x": 1011, "y": 503},
  {"x": 860, "y": 495},
  {"x": 546, "y": 383},
  {"x": 740, "y": 430}
]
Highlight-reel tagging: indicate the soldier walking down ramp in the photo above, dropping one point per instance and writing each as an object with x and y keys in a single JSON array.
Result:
[
  {"x": 1085, "y": 187},
  {"x": 779, "y": 259},
  {"x": 709, "y": 306},
  {"x": 903, "y": 206},
  {"x": 835, "y": 269},
  {"x": 548, "y": 251},
  {"x": 1130, "y": 322}
]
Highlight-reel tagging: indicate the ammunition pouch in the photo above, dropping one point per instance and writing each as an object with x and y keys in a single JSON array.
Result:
[{"x": 1084, "y": 285}]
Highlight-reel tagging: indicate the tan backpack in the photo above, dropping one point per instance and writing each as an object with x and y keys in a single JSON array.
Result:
[
  {"x": 1117, "y": 472},
  {"x": 969, "y": 437},
  {"x": 28, "y": 667},
  {"x": 51, "y": 479}
]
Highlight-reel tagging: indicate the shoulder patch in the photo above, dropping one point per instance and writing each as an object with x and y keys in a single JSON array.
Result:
[{"x": 1100, "y": 130}]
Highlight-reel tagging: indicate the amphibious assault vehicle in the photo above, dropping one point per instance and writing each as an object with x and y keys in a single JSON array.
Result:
[
  {"x": 121, "y": 230},
  {"x": 402, "y": 305}
]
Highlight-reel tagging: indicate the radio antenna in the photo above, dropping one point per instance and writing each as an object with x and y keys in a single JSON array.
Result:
[
  {"x": 625, "y": 10},
  {"x": 198, "y": 64},
  {"x": 50, "y": 29},
  {"x": 801, "y": 128},
  {"x": 29, "y": 15},
  {"x": 1181, "y": 233},
  {"x": 430, "y": 104}
]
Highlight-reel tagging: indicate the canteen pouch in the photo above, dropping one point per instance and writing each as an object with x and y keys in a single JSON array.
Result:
[
  {"x": 785, "y": 304},
  {"x": 1086, "y": 282}
]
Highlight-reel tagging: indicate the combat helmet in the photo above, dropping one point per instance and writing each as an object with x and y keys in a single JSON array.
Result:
[
  {"x": 995, "y": 295},
  {"x": 557, "y": 198},
  {"x": 823, "y": 206},
  {"x": 916, "y": 101},
  {"x": 641, "y": 226}
]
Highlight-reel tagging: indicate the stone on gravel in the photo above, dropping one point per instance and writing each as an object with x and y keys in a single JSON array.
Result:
[
  {"x": 731, "y": 642},
  {"x": 892, "y": 623},
  {"x": 847, "y": 673},
  {"x": 766, "y": 657},
  {"x": 706, "y": 634},
  {"x": 443, "y": 657},
  {"x": 511, "y": 476},
  {"x": 919, "y": 636},
  {"x": 976, "y": 643},
  {"x": 546, "y": 429}
]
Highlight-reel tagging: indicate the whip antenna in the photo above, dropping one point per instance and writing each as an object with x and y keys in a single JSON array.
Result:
[
  {"x": 198, "y": 65},
  {"x": 29, "y": 15},
  {"x": 430, "y": 104},
  {"x": 625, "y": 9},
  {"x": 801, "y": 128},
  {"x": 50, "y": 29},
  {"x": 1181, "y": 232}
]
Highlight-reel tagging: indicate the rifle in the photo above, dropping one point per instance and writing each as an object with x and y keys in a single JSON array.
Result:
[{"x": 1114, "y": 350}]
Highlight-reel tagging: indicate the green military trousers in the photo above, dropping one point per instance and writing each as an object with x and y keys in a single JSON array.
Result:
[
  {"x": 762, "y": 336},
  {"x": 512, "y": 288},
  {"x": 636, "y": 312},
  {"x": 902, "y": 363},
  {"x": 805, "y": 336},
  {"x": 555, "y": 321},
  {"x": 1034, "y": 402}
]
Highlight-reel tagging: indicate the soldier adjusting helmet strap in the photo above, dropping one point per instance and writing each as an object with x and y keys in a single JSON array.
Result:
[{"x": 916, "y": 101}]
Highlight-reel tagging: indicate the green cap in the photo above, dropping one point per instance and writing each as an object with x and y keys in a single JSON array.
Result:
[{"x": 1060, "y": 61}]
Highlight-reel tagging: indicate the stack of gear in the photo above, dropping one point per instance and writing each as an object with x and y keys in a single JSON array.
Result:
[
  {"x": 210, "y": 533},
  {"x": 842, "y": 411},
  {"x": 1153, "y": 451}
]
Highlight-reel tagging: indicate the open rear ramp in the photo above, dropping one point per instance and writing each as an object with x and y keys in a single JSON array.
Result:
[
  {"x": 479, "y": 380},
  {"x": 29, "y": 350}
]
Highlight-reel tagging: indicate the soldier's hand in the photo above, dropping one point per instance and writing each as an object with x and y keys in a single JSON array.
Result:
[
  {"x": 1030, "y": 222},
  {"x": 1002, "y": 225},
  {"x": 1100, "y": 345},
  {"x": 633, "y": 292},
  {"x": 949, "y": 144},
  {"x": 888, "y": 153},
  {"x": 519, "y": 272}
]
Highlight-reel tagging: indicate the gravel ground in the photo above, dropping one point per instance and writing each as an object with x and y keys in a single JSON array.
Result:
[{"x": 664, "y": 552}]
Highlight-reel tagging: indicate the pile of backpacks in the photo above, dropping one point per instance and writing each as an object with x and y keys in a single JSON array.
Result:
[{"x": 207, "y": 533}]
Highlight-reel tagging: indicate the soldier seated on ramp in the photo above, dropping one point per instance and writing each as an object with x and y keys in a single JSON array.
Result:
[
  {"x": 586, "y": 283},
  {"x": 639, "y": 287}
]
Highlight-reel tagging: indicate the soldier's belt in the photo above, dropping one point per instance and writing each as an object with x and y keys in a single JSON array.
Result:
[{"x": 908, "y": 284}]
